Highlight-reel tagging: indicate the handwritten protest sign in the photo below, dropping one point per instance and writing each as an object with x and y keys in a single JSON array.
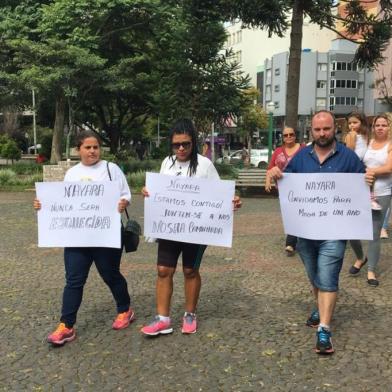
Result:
[
  {"x": 79, "y": 214},
  {"x": 184, "y": 209},
  {"x": 326, "y": 206}
]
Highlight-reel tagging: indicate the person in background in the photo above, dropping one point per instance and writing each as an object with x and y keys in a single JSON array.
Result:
[
  {"x": 378, "y": 161},
  {"x": 280, "y": 158},
  {"x": 183, "y": 161},
  {"x": 140, "y": 150},
  {"x": 77, "y": 261},
  {"x": 207, "y": 150},
  {"x": 357, "y": 139}
]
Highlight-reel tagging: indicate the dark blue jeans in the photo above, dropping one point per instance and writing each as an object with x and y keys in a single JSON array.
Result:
[{"x": 77, "y": 263}]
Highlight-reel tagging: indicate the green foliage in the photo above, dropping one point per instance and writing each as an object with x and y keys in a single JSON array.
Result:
[
  {"x": 10, "y": 150},
  {"x": 25, "y": 168},
  {"x": 7, "y": 176},
  {"x": 118, "y": 63},
  {"x": 159, "y": 152},
  {"x": 45, "y": 138},
  {"x": 136, "y": 180},
  {"x": 226, "y": 171},
  {"x": 133, "y": 166}
]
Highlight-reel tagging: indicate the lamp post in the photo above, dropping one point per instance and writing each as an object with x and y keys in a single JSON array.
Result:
[
  {"x": 270, "y": 110},
  {"x": 34, "y": 123}
]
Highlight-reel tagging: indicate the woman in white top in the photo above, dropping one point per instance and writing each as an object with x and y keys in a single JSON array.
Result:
[
  {"x": 357, "y": 139},
  {"x": 185, "y": 161},
  {"x": 378, "y": 161},
  {"x": 77, "y": 261}
]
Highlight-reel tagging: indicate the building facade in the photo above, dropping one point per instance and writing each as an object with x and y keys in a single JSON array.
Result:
[
  {"x": 251, "y": 46},
  {"x": 328, "y": 81}
]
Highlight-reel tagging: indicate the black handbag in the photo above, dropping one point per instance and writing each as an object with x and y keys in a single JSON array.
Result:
[
  {"x": 131, "y": 231},
  {"x": 130, "y": 234}
]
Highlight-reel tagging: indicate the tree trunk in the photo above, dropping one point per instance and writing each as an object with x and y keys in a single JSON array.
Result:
[
  {"x": 58, "y": 130},
  {"x": 294, "y": 64},
  {"x": 10, "y": 120},
  {"x": 114, "y": 136}
]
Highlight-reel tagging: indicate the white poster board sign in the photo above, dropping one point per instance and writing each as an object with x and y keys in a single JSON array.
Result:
[
  {"x": 186, "y": 209},
  {"x": 326, "y": 206},
  {"x": 79, "y": 214}
]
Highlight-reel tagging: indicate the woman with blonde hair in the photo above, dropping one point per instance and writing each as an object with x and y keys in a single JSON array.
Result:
[{"x": 378, "y": 161}]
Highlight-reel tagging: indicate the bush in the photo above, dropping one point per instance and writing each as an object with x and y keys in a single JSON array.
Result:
[
  {"x": 7, "y": 177},
  {"x": 136, "y": 180},
  {"x": 10, "y": 150},
  {"x": 133, "y": 166},
  {"x": 26, "y": 168},
  {"x": 226, "y": 171}
]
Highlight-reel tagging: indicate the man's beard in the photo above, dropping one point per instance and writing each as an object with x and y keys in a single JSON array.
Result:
[{"x": 323, "y": 143}]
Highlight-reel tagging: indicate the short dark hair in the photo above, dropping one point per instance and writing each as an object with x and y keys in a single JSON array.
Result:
[{"x": 80, "y": 138}]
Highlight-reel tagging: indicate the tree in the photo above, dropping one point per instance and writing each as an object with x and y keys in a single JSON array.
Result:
[
  {"x": 253, "y": 117},
  {"x": 115, "y": 63},
  {"x": 370, "y": 31},
  {"x": 44, "y": 58},
  {"x": 10, "y": 150}
]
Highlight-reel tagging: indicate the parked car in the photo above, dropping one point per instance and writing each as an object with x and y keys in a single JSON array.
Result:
[{"x": 258, "y": 158}]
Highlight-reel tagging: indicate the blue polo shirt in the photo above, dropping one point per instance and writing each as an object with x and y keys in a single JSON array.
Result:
[{"x": 341, "y": 160}]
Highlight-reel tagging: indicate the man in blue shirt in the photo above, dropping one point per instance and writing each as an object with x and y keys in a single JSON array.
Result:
[{"x": 323, "y": 259}]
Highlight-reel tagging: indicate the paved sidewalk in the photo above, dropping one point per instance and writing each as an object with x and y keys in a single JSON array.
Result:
[{"x": 252, "y": 310}]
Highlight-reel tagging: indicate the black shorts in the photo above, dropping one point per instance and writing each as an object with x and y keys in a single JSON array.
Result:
[{"x": 169, "y": 252}]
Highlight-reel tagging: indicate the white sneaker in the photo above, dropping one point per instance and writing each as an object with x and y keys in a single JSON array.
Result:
[{"x": 384, "y": 234}]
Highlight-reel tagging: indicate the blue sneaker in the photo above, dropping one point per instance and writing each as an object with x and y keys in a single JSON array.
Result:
[
  {"x": 314, "y": 319},
  {"x": 324, "y": 342}
]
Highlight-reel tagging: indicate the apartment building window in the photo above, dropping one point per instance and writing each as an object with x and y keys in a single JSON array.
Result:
[
  {"x": 268, "y": 76},
  {"x": 239, "y": 36},
  {"x": 331, "y": 103},
  {"x": 360, "y": 102},
  {"x": 276, "y": 88},
  {"x": 346, "y": 83},
  {"x": 343, "y": 66},
  {"x": 322, "y": 67},
  {"x": 360, "y": 85},
  {"x": 346, "y": 101},
  {"x": 238, "y": 56},
  {"x": 268, "y": 93},
  {"x": 321, "y": 102},
  {"x": 277, "y": 71},
  {"x": 276, "y": 104},
  {"x": 321, "y": 84}
]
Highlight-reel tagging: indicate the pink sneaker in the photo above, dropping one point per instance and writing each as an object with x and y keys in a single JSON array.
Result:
[
  {"x": 189, "y": 323},
  {"x": 62, "y": 335},
  {"x": 156, "y": 327},
  {"x": 123, "y": 319}
]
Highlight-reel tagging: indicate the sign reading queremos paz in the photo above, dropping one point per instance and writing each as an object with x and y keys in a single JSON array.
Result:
[
  {"x": 326, "y": 206},
  {"x": 186, "y": 209},
  {"x": 79, "y": 214}
]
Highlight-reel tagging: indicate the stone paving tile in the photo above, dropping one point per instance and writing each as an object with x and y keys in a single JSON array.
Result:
[{"x": 252, "y": 309}]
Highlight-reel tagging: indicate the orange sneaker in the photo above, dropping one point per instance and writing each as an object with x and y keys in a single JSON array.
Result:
[
  {"x": 62, "y": 335},
  {"x": 123, "y": 319}
]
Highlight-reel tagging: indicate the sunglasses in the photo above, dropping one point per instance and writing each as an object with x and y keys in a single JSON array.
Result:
[
  {"x": 289, "y": 135},
  {"x": 185, "y": 145}
]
